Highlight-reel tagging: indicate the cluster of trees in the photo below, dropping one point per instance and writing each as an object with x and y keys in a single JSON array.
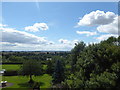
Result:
[
  {"x": 20, "y": 57},
  {"x": 95, "y": 65}
]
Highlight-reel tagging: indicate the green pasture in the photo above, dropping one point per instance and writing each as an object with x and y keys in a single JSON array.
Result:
[
  {"x": 22, "y": 81},
  {"x": 10, "y": 66},
  {"x": 15, "y": 67}
]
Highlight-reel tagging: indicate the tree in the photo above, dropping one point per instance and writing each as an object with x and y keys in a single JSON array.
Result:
[
  {"x": 49, "y": 69},
  {"x": 30, "y": 68},
  {"x": 98, "y": 66},
  {"x": 75, "y": 53},
  {"x": 58, "y": 75}
]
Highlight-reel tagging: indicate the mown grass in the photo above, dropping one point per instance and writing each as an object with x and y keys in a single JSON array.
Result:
[
  {"x": 22, "y": 81},
  {"x": 10, "y": 66}
]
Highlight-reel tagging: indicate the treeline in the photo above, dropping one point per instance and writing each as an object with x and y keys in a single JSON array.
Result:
[
  {"x": 20, "y": 57},
  {"x": 95, "y": 66}
]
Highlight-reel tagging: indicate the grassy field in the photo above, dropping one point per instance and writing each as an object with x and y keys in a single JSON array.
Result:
[
  {"x": 10, "y": 66},
  {"x": 15, "y": 66},
  {"x": 21, "y": 81}
]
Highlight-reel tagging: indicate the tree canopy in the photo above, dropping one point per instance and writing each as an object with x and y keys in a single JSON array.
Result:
[{"x": 30, "y": 68}]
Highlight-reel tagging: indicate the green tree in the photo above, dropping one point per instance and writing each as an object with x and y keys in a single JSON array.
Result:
[
  {"x": 75, "y": 53},
  {"x": 58, "y": 75},
  {"x": 50, "y": 67},
  {"x": 30, "y": 68},
  {"x": 98, "y": 66}
]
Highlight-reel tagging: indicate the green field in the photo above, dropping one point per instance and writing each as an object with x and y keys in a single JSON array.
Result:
[
  {"x": 21, "y": 81},
  {"x": 15, "y": 66},
  {"x": 10, "y": 66}
]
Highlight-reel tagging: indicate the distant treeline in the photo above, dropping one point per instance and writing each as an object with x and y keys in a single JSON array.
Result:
[{"x": 20, "y": 56}]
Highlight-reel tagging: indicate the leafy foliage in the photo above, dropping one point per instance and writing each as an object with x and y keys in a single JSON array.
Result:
[
  {"x": 58, "y": 75},
  {"x": 75, "y": 53},
  {"x": 97, "y": 65},
  {"x": 30, "y": 68}
]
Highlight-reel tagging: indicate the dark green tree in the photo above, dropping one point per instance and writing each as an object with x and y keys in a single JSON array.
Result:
[
  {"x": 75, "y": 53},
  {"x": 58, "y": 75},
  {"x": 50, "y": 67},
  {"x": 30, "y": 68},
  {"x": 98, "y": 66}
]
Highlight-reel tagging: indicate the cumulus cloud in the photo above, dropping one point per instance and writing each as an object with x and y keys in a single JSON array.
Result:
[
  {"x": 97, "y": 18},
  {"x": 13, "y": 39},
  {"x": 36, "y": 47},
  {"x": 7, "y": 44},
  {"x": 64, "y": 41},
  {"x": 87, "y": 33},
  {"x": 104, "y": 37},
  {"x": 112, "y": 28},
  {"x": 36, "y": 27},
  {"x": 31, "y": 29},
  {"x": 70, "y": 43},
  {"x": 14, "y": 36},
  {"x": 2, "y": 25},
  {"x": 106, "y": 22}
]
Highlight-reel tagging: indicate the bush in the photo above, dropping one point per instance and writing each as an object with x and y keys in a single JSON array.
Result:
[{"x": 11, "y": 73}]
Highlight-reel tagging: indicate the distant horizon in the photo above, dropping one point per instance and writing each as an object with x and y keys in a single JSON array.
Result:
[{"x": 34, "y": 51}]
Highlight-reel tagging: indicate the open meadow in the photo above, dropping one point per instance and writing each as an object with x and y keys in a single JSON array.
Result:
[{"x": 21, "y": 81}]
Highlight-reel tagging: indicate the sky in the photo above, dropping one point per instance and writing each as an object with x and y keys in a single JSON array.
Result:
[{"x": 56, "y": 26}]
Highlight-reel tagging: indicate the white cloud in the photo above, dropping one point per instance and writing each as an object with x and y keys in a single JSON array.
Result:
[
  {"x": 97, "y": 18},
  {"x": 36, "y": 27},
  {"x": 42, "y": 26},
  {"x": 7, "y": 44},
  {"x": 106, "y": 22},
  {"x": 31, "y": 29},
  {"x": 3, "y": 25},
  {"x": 13, "y": 39},
  {"x": 111, "y": 28},
  {"x": 104, "y": 37},
  {"x": 37, "y": 47},
  {"x": 14, "y": 36},
  {"x": 64, "y": 41},
  {"x": 87, "y": 33},
  {"x": 68, "y": 42}
]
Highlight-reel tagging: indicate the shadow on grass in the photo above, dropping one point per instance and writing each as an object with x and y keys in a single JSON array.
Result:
[{"x": 28, "y": 85}]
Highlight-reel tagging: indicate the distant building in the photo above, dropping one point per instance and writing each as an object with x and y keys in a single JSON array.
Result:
[{"x": 48, "y": 59}]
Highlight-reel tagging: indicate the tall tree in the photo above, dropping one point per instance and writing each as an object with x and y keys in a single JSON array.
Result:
[
  {"x": 50, "y": 68},
  {"x": 75, "y": 53},
  {"x": 58, "y": 75},
  {"x": 98, "y": 66},
  {"x": 30, "y": 68}
]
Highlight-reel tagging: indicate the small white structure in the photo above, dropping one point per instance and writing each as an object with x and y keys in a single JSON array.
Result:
[
  {"x": 3, "y": 83},
  {"x": 48, "y": 59},
  {"x": 2, "y": 71}
]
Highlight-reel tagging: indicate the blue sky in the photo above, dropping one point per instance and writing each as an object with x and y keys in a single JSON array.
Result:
[{"x": 61, "y": 19}]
